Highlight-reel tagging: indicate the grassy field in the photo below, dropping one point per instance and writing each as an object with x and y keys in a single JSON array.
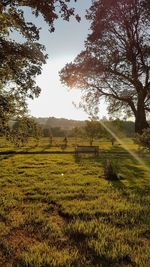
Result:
[
  {"x": 59, "y": 210},
  {"x": 44, "y": 146}
]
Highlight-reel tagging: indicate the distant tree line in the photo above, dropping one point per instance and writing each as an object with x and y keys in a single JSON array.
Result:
[
  {"x": 90, "y": 129},
  {"x": 24, "y": 128}
]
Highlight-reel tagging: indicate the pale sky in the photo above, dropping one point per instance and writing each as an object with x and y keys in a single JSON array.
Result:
[{"x": 62, "y": 47}]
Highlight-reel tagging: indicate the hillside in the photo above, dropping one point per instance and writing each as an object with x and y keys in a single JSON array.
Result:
[{"x": 59, "y": 122}]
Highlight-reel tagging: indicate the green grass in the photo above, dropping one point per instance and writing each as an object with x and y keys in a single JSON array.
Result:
[
  {"x": 59, "y": 210},
  {"x": 43, "y": 144}
]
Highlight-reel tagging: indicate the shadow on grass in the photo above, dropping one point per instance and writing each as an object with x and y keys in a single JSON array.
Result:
[
  {"x": 6, "y": 156},
  {"x": 127, "y": 168},
  {"x": 85, "y": 157},
  {"x": 119, "y": 185},
  {"x": 130, "y": 171},
  {"x": 98, "y": 259},
  {"x": 104, "y": 261}
]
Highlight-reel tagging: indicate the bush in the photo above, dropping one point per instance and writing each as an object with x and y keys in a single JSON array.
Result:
[
  {"x": 110, "y": 171},
  {"x": 144, "y": 139}
]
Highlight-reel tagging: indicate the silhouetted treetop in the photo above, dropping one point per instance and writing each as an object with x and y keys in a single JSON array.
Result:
[{"x": 115, "y": 62}]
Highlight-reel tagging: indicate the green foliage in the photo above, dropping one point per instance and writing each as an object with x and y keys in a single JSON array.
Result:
[
  {"x": 115, "y": 60},
  {"x": 21, "y": 62},
  {"x": 93, "y": 130},
  {"x": 7, "y": 108},
  {"x": 22, "y": 129},
  {"x": 144, "y": 139},
  {"x": 46, "y": 132},
  {"x": 57, "y": 131},
  {"x": 77, "y": 132}
]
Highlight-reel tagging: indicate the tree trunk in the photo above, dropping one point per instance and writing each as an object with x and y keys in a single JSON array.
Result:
[{"x": 140, "y": 118}]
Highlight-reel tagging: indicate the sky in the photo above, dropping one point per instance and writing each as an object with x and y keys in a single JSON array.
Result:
[{"x": 62, "y": 47}]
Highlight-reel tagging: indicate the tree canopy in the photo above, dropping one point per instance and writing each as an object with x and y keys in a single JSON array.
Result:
[
  {"x": 21, "y": 61},
  {"x": 115, "y": 62},
  {"x": 22, "y": 129},
  {"x": 93, "y": 130}
]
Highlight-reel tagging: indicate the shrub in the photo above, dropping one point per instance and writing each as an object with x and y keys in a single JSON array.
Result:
[
  {"x": 110, "y": 171},
  {"x": 144, "y": 139}
]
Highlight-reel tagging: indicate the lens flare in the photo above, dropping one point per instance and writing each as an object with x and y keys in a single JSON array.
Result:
[{"x": 134, "y": 155}]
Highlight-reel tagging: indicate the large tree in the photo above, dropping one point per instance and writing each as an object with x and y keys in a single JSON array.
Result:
[
  {"x": 21, "y": 60},
  {"x": 115, "y": 62}
]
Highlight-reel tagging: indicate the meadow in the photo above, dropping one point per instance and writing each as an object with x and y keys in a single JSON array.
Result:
[{"x": 58, "y": 210}]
